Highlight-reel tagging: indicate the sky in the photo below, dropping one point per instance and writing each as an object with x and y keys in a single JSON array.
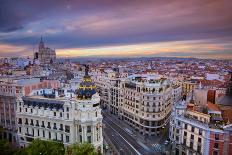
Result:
[{"x": 117, "y": 28}]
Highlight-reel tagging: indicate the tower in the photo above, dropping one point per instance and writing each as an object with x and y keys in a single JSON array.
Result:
[{"x": 41, "y": 44}]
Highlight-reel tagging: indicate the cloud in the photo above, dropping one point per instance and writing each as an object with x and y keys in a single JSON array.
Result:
[{"x": 69, "y": 24}]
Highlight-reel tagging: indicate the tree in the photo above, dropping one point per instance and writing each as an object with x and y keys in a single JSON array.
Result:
[
  {"x": 5, "y": 147},
  {"x": 81, "y": 149},
  {"x": 40, "y": 147}
]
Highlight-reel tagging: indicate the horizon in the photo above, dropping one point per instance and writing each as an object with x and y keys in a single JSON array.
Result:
[{"x": 203, "y": 29}]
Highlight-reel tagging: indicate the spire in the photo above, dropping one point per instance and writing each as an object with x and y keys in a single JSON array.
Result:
[
  {"x": 41, "y": 44},
  {"x": 86, "y": 70}
]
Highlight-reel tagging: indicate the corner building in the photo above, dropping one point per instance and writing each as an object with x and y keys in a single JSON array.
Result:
[
  {"x": 47, "y": 116},
  {"x": 146, "y": 103}
]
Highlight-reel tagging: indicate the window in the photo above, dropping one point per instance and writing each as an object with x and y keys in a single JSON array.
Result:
[
  {"x": 185, "y": 126},
  {"x": 185, "y": 133},
  {"x": 67, "y": 139},
  {"x": 177, "y": 131},
  {"x": 54, "y": 113},
  {"x": 67, "y": 109},
  {"x": 215, "y": 152},
  {"x": 216, "y": 145},
  {"x": 49, "y": 125},
  {"x": 62, "y": 138},
  {"x": 49, "y": 135},
  {"x": 38, "y": 133},
  {"x": 199, "y": 148},
  {"x": 20, "y": 130},
  {"x": 200, "y": 132},
  {"x": 60, "y": 114},
  {"x": 191, "y": 145},
  {"x": 192, "y": 129},
  {"x": 184, "y": 142},
  {"x": 80, "y": 129},
  {"x": 61, "y": 127},
  {"x": 43, "y": 133},
  {"x": 89, "y": 139},
  {"x": 199, "y": 140},
  {"x": 192, "y": 137},
  {"x": 42, "y": 124},
  {"x": 54, "y": 126},
  {"x": 216, "y": 136},
  {"x": 31, "y": 122},
  {"x": 31, "y": 110},
  {"x": 20, "y": 121},
  {"x": 67, "y": 128},
  {"x": 88, "y": 129},
  {"x": 177, "y": 138},
  {"x": 37, "y": 123},
  {"x": 26, "y": 122},
  {"x": 67, "y": 115},
  {"x": 80, "y": 138}
]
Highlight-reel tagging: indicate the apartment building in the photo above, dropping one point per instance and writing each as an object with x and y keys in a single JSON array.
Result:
[
  {"x": 199, "y": 130},
  {"x": 9, "y": 92},
  {"x": 146, "y": 102}
]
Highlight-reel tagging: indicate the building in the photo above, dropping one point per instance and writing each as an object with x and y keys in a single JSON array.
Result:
[
  {"x": 176, "y": 92},
  {"x": 45, "y": 55},
  {"x": 46, "y": 115},
  {"x": 188, "y": 86},
  {"x": 199, "y": 130},
  {"x": 146, "y": 102},
  {"x": 108, "y": 86},
  {"x": 9, "y": 92}
]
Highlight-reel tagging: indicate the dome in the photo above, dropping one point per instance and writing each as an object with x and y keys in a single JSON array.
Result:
[{"x": 87, "y": 87}]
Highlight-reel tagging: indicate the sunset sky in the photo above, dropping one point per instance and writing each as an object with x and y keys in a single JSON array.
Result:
[{"x": 180, "y": 28}]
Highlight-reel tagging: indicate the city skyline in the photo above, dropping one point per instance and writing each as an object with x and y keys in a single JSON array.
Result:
[{"x": 200, "y": 29}]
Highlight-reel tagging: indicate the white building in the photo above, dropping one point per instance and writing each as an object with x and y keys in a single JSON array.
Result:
[
  {"x": 146, "y": 102},
  {"x": 48, "y": 116},
  {"x": 198, "y": 130}
]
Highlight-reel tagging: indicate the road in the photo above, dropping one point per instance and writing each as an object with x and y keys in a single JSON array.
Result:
[{"x": 125, "y": 143}]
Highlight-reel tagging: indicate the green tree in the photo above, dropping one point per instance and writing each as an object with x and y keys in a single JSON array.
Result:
[
  {"x": 40, "y": 147},
  {"x": 5, "y": 147},
  {"x": 81, "y": 149}
]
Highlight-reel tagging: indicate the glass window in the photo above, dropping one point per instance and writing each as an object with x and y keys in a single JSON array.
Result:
[
  {"x": 67, "y": 139},
  {"x": 216, "y": 136}
]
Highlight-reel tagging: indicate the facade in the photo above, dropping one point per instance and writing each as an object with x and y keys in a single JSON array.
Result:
[
  {"x": 146, "y": 103},
  {"x": 176, "y": 92},
  {"x": 46, "y": 115},
  {"x": 9, "y": 92},
  {"x": 45, "y": 55},
  {"x": 108, "y": 86},
  {"x": 188, "y": 86},
  {"x": 142, "y": 101},
  {"x": 196, "y": 131}
]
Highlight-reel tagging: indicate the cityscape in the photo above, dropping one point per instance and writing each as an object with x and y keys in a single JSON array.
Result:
[{"x": 115, "y": 77}]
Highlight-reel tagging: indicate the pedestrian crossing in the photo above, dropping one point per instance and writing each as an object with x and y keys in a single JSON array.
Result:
[{"x": 157, "y": 147}]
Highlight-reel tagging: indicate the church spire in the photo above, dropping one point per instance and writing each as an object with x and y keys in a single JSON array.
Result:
[{"x": 41, "y": 44}]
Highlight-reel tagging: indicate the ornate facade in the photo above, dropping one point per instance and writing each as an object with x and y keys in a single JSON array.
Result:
[{"x": 48, "y": 116}]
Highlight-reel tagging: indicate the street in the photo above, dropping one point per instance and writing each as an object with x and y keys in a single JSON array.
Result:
[{"x": 125, "y": 142}]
